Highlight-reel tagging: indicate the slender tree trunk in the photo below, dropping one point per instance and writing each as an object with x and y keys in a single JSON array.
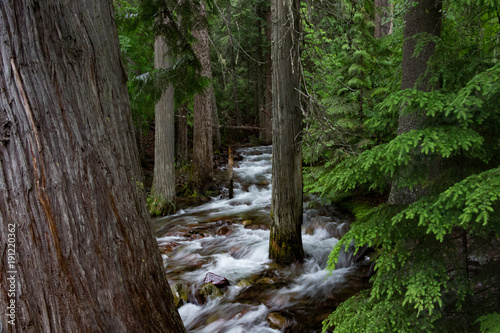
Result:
[
  {"x": 85, "y": 257},
  {"x": 216, "y": 128},
  {"x": 182, "y": 134},
  {"x": 383, "y": 21},
  {"x": 260, "y": 89},
  {"x": 268, "y": 110},
  {"x": 424, "y": 17},
  {"x": 286, "y": 205},
  {"x": 233, "y": 66},
  {"x": 203, "y": 117},
  {"x": 163, "y": 189}
]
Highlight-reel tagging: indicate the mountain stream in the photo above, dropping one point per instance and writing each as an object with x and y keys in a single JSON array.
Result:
[{"x": 229, "y": 238}]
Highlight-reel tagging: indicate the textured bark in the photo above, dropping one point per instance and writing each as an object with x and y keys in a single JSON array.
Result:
[
  {"x": 422, "y": 18},
  {"x": 86, "y": 259},
  {"x": 164, "y": 170},
  {"x": 383, "y": 11},
  {"x": 267, "y": 123},
  {"x": 203, "y": 118},
  {"x": 181, "y": 139},
  {"x": 285, "y": 243}
]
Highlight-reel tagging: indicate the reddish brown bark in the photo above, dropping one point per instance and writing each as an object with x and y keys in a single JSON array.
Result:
[{"x": 86, "y": 260}]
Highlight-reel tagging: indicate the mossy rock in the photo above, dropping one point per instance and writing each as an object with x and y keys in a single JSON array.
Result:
[
  {"x": 160, "y": 207},
  {"x": 180, "y": 294},
  {"x": 208, "y": 290},
  {"x": 244, "y": 283}
]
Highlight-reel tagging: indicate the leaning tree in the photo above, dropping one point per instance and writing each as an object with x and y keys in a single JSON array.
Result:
[{"x": 85, "y": 259}]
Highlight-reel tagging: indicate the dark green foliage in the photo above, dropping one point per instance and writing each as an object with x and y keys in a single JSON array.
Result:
[
  {"x": 237, "y": 41},
  {"x": 136, "y": 42},
  {"x": 139, "y": 23},
  {"x": 347, "y": 73},
  {"x": 438, "y": 259}
]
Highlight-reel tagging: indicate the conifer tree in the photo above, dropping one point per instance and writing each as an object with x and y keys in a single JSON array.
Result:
[
  {"x": 285, "y": 244},
  {"x": 162, "y": 200},
  {"x": 423, "y": 17},
  {"x": 203, "y": 110}
]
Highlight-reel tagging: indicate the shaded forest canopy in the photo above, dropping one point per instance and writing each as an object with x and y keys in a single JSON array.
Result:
[{"x": 397, "y": 105}]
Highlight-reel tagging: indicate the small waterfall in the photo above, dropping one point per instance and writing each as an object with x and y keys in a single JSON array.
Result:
[{"x": 229, "y": 237}]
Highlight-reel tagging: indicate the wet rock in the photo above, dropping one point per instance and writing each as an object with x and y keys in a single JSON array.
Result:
[
  {"x": 196, "y": 235},
  {"x": 240, "y": 203},
  {"x": 244, "y": 283},
  {"x": 208, "y": 290},
  {"x": 216, "y": 280},
  {"x": 168, "y": 247},
  {"x": 264, "y": 182},
  {"x": 265, "y": 280},
  {"x": 234, "y": 251},
  {"x": 257, "y": 227},
  {"x": 223, "y": 222},
  {"x": 337, "y": 230},
  {"x": 309, "y": 230},
  {"x": 247, "y": 222},
  {"x": 180, "y": 293},
  {"x": 224, "y": 231},
  {"x": 176, "y": 234},
  {"x": 277, "y": 321}
]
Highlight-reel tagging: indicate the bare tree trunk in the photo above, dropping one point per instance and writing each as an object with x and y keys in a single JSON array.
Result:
[
  {"x": 268, "y": 110},
  {"x": 383, "y": 20},
  {"x": 70, "y": 202},
  {"x": 182, "y": 134},
  {"x": 285, "y": 243},
  {"x": 163, "y": 189},
  {"x": 260, "y": 89},
  {"x": 216, "y": 128},
  {"x": 233, "y": 67},
  {"x": 203, "y": 118},
  {"x": 424, "y": 17}
]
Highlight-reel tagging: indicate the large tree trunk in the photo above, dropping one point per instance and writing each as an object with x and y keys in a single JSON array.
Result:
[
  {"x": 203, "y": 118},
  {"x": 424, "y": 17},
  {"x": 268, "y": 110},
  {"x": 383, "y": 21},
  {"x": 70, "y": 198},
  {"x": 286, "y": 205},
  {"x": 163, "y": 190}
]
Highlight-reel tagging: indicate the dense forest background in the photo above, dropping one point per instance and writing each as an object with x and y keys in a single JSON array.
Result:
[{"x": 401, "y": 123}]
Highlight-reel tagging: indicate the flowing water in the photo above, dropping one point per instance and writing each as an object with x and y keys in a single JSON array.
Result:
[{"x": 229, "y": 237}]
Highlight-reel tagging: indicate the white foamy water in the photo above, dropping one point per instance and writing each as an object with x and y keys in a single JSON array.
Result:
[{"x": 241, "y": 254}]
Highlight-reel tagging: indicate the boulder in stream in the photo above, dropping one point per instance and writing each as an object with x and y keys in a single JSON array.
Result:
[
  {"x": 247, "y": 222},
  {"x": 224, "y": 231},
  {"x": 209, "y": 290},
  {"x": 277, "y": 321},
  {"x": 216, "y": 280},
  {"x": 180, "y": 293}
]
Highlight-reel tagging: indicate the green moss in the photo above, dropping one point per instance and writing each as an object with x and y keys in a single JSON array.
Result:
[{"x": 160, "y": 207}]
